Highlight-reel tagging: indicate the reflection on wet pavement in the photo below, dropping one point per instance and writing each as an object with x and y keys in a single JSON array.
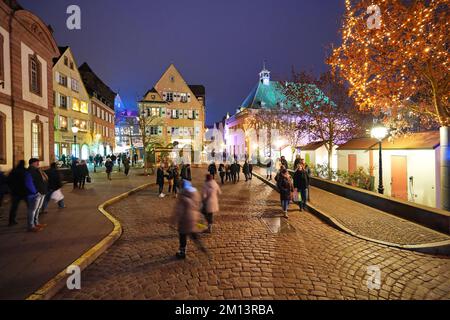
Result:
[{"x": 278, "y": 224}]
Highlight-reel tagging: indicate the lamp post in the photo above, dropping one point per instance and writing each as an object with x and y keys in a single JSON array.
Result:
[
  {"x": 380, "y": 133},
  {"x": 75, "y": 131},
  {"x": 97, "y": 138}
]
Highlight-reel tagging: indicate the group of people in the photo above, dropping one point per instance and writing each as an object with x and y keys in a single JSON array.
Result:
[
  {"x": 35, "y": 187},
  {"x": 293, "y": 188},
  {"x": 174, "y": 175},
  {"x": 80, "y": 173},
  {"x": 231, "y": 172}
]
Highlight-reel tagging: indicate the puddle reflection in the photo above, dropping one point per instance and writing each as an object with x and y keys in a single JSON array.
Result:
[{"x": 278, "y": 224}]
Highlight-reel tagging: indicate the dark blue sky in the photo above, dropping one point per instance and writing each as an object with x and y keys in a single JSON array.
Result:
[{"x": 220, "y": 44}]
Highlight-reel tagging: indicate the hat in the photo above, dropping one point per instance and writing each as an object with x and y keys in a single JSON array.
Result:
[{"x": 187, "y": 185}]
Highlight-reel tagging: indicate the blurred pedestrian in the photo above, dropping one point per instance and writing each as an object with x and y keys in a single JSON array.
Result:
[
  {"x": 301, "y": 185},
  {"x": 269, "y": 165},
  {"x": 250, "y": 170},
  {"x": 109, "y": 167},
  {"x": 36, "y": 182},
  {"x": 210, "y": 197},
  {"x": 160, "y": 180},
  {"x": 83, "y": 173},
  {"x": 18, "y": 189},
  {"x": 54, "y": 184},
  {"x": 3, "y": 187},
  {"x": 186, "y": 217},
  {"x": 212, "y": 169},
  {"x": 284, "y": 162},
  {"x": 222, "y": 172},
  {"x": 227, "y": 172},
  {"x": 126, "y": 165},
  {"x": 75, "y": 173},
  {"x": 246, "y": 170}
]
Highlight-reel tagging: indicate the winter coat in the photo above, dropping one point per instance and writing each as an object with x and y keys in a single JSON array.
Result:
[
  {"x": 222, "y": 169},
  {"x": 285, "y": 187},
  {"x": 126, "y": 163},
  {"x": 16, "y": 182},
  {"x": 54, "y": 179},
  {"x": 109, "y": 166},
  {"x": 82, "y": 171},
  {"x": 40, "y": 180},
  {"x": 212, "y": 169},
  {"x": 284, "y": 163},
  {"x": 160, "y": 176},
  {"x": 245, "y": 168},
  {"x": 3, "y": 183},
  {"x": 186, "y": 214},
  {"x": 301, "y": 180},
  {"x": 210, "y": 196}
]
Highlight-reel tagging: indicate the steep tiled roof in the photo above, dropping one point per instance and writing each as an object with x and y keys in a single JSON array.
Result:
[
  {"x": 358, "y": 144},
  {"x": 312, "y": 146},
  {"x": 95, "y": 85},
  {"x": 416, "y": 140},
  {"x": 197, "y": 89}
]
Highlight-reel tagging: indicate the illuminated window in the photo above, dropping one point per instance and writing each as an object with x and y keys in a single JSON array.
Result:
[
  {"x": 82, "y": 125},
  {"x": 37, "y": 140},
  {"x": 2, "y": 138},
  {"x": 63, "y": 123},
  {"x": 75, "y": 104},
  {"x": 35, "y": 74},
  {"x": 84, "y": 107}
]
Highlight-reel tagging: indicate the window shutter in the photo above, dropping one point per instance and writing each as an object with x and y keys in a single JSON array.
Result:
[
  {"x": 57, "y": 99},
  {"x": 197, "y": 115},
  {"x": 159, "y": 130},
  {"x": 164, "y": 94},
  {"x": 163, "y": 112},
  {"x": 181, "y": 114}
]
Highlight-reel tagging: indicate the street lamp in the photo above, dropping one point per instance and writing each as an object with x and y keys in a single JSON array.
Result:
[
  {"x": 379, "y": 133},
  {"x": 75, "y": 131}
]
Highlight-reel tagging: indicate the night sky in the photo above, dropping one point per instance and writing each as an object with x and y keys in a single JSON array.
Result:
[{"x": 220, "y": 44}]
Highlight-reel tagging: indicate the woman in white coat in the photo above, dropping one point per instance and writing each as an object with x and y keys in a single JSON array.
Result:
[{"x": 210, "y": 196}]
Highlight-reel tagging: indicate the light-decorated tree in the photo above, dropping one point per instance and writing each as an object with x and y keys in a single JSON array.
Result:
[
  {"x": 325, "y": 111},
  {"x": 397, "y": 64},
  {"x": 149, "y": 141}
]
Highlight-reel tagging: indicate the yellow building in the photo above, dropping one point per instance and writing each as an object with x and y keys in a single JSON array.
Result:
[
  {"x": 71, "y": 108},
  {"x": 181, "y": 111}
]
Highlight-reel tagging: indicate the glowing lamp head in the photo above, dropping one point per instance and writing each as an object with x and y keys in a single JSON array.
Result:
[
  {"x": 379, "y": 132},
  {"x": 75, "y": 130}
]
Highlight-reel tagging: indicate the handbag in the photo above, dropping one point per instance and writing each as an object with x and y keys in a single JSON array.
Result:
[
  {"x": 88, "y": 179},
  {"x": 57, "y": 195},
  {"x": 295, "y": 196}
]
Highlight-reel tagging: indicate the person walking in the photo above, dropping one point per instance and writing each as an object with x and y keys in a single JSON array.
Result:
[
  {"x": 238, "y": 170},
  {"x": 246, "y": 170},
  {"x": 160, "y": 180},
  {"x": 250, "y": 170},
  {"x": 222, "y": 172},
  {"x": 126, "y": 165},
  {"x": 176, "y": 180},
  {"x": 3, "y": 187},
  {"x": 188, "y": 172},
  {"x": 75, "y": 173},
  {"x": 269, "y": 165},
  {"x": 227, "y": 172},
  {"x": 18, "y": 189},
  {"x": 301, "y": 185},
  {"x": 285, "y": 188},
  {"x": 83, "y": 173},
  {"x": 109, "y": 167},
  {"x": 186, "y": 216},
  {"x": 170, "y": 178},
  {"x": 233, "y": 171},
  {"x": 284, "y": 162},
  {"x": 297, "y": 162},
  {"x": 36, "y": 182},
  {"x": 210, "y": 197},
  {"x": 54, "y": 184},
  {"x": 135, "y": 159},
  {"x": 212, "y": 169}
]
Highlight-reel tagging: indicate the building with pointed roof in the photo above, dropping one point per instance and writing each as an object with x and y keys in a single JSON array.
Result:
[
  {"x": 179, "y": 109},
  {"x": 71, "y": 108}
]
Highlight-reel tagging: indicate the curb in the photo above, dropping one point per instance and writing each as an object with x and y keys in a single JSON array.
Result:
[
  {"x": 438, "y": 248},
  {"x": 54, "y": 285}
]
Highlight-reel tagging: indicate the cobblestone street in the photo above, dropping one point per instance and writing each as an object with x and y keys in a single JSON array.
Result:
[{"x": 309, "y": 260}]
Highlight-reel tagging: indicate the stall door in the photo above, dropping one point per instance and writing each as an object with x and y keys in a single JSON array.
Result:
[
  {"x": 399, "y": 178},
  {"x": 351, "y": 163}
]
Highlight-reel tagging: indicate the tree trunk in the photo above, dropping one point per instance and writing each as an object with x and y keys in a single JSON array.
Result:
[
  {"x": 330, "y": 155},
  {"x": 445, "y": 168}
]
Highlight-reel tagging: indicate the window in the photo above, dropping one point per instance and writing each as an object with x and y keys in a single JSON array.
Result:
[
  {"x": 75, "y": 104},
  {"x": 174, "y": 114},
  {"x": 71, "y": 65},
  {"x": 74, "y": 85},
  {"x": 2, "y": 138},
  {"x": 37, "y": 140},
  {"x": 63, "y": 125},
  {"x": 35, "y": 70},
  {"x": 84, "y": 107},
  {"x": 63, "y": 101},
  {"x": 66, "y": 61},
  {"x": 169, "y": 96},
  {"x": 82, "y": 125},
  {"x": 62, "y": 80},
  {"x": 152, "y": 130},
  {"x": 191, "y": 114},
  {"x": 2, "y": 60},
  {"x": 184, "y": 97}
]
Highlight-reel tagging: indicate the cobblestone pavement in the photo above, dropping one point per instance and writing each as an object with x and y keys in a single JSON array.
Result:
[
  {"x": 370, "y": 222},
  {"x": 310, "y": 260}
]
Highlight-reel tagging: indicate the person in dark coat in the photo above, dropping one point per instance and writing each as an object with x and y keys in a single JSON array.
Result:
[
  {"x": 109, "y": 167},
  {"x": 188, "y": 172},
  {"x": 297, "y": 162},
  {"x": 54, "y": 183},
  {"x": 301, "y": 183},
  {"x": 250, "y": 170},
  {"x": 284, "y": 162},
  {"x": 83, "y": 173},
  {"x": 160, "y": 180},
  {"x": 227, "y": 172},
  {"x": 3, "y": 187},
  {"x": 176, "y": 180},
  {"x": 126, "y": 165},
  {"x": 233, "y": 172},
  {"x": 246, "y": 170},
  {"x": 16, "y": 184},
  {"x": 75, "y": 174},
  {"x": 212, "y": 169},
  {"x": 238, "y": 170},
  {"x": 36, "y": 182},
  {"x": 135, "y": 159},
  {"x": 222, "y": 172},
  {"x": 285, "y": 188}
]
